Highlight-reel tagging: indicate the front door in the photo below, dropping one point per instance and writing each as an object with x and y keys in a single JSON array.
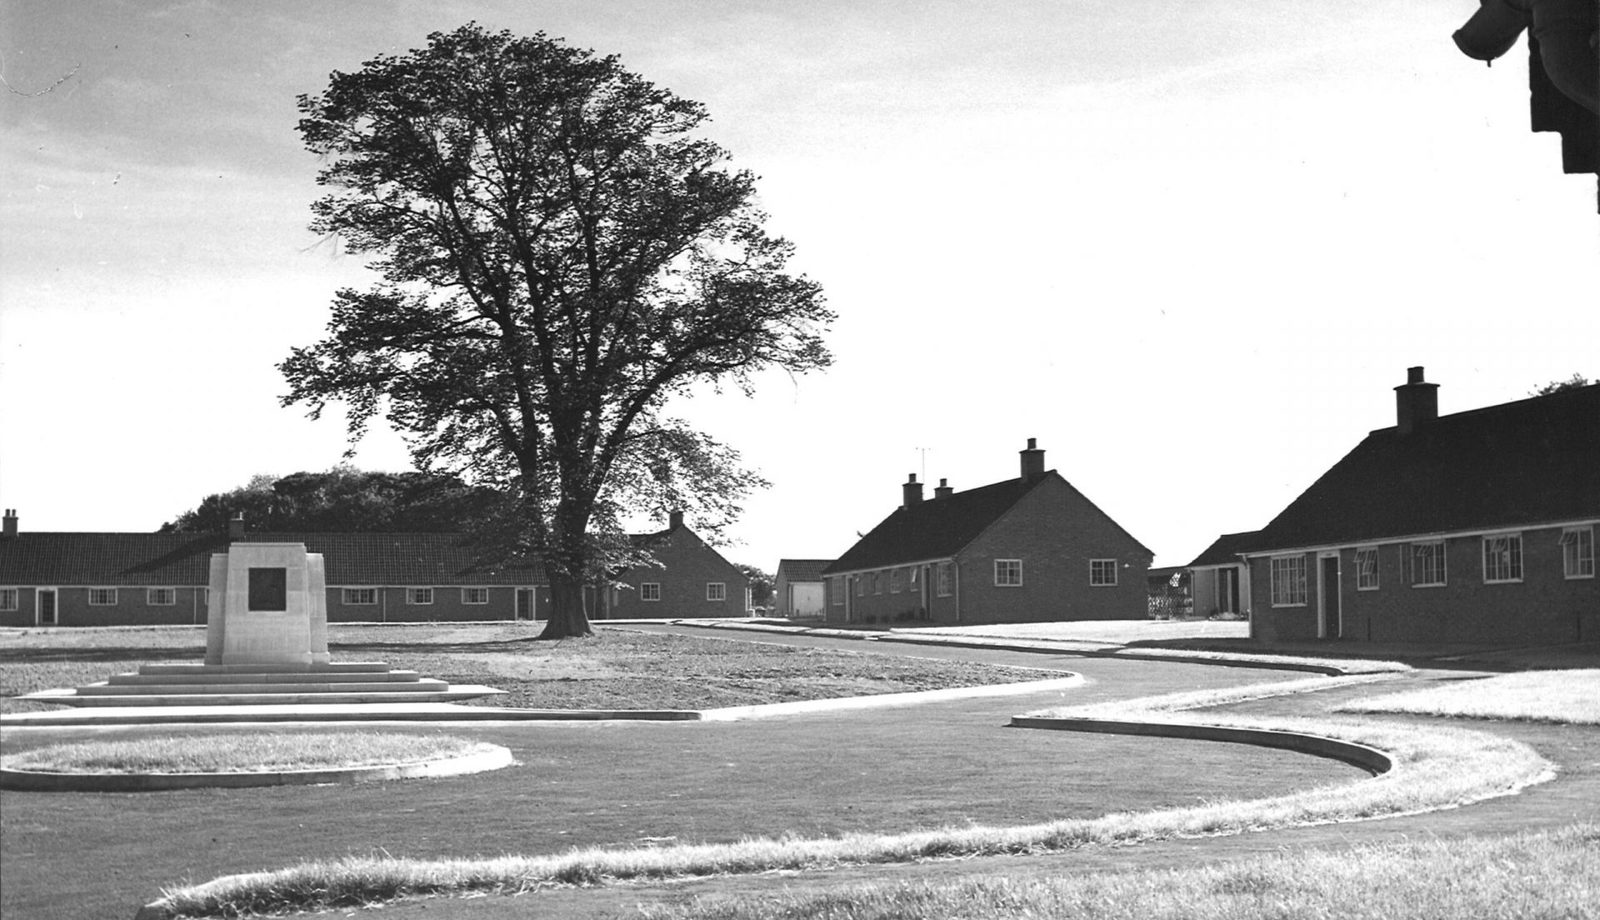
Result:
[
  {"x": 46, "y": 601},
  {"x": 526, "y": 605},
  {"x": 1330, "y": 597},
  {"x": 1228, "y": 590}
]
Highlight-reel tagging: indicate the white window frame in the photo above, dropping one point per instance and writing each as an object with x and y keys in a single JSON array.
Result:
[
  {"x": 419, "y": 597},
  {"x": 153, "y": 597},
  {"x": 943, "y": 579},
  {"x": 1419, "y": 572},
  {"x": 1288, "y": 581},
  {"x": 650, "y": 591},
  {"x": 716, "y": 591},
  {"x": 10, "y": 599},
  {"x": 352, "y": 597},
  {"x": 1097, "y": 573},
  {"x": 1577, "y": 552},
  {"x": 1367, "y": 565},
  {"x": 475, "y": 596},
  {"x": 1008, "y": 573},
  {"x": 1502, "y": 550},
  {"x": 102, "y": 597}
]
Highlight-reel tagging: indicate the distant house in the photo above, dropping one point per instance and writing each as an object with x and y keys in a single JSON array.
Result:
[
  {"x": 1474, "y": 527},
  {"x": 687, "y": 579},
  {"x": 798, "y": 589},
  {"x": 1029, "y": 549},
  {"x": 1218, "y": 578},
  {"x": 119, "y": 579}
]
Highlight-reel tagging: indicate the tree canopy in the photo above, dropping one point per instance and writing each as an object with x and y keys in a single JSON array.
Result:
[
  {"x": 561, "y": 254},
  {"x": 1557, "y": 386},
  {"x": 343, "y": 500}
]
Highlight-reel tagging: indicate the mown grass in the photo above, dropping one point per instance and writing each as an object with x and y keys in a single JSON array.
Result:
[
  {"x": 616, "y": 669},
  {"x": 1571, "y": 697},
  {"x": 1435, "y": 767},
  {"x": 1548, "y": 874},
  {"x": 253, "y": 752}
]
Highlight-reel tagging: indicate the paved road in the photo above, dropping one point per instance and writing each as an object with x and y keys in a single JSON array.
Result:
[{"x": 710, "y": 781}]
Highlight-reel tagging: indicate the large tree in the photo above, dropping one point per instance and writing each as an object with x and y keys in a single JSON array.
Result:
[{"x": 562, "y": 252}]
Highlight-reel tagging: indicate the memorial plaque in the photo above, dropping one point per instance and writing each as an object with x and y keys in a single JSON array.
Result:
[{"x": 269, "y": 589}]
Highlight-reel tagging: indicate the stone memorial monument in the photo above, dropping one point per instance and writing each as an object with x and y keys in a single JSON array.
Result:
[{"x": 269, "y": 606}]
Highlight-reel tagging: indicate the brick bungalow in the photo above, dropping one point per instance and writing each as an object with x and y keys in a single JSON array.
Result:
[
  {"x": 1030, "y": 549},
  {"x": 688, "y": 579},
  {"x": 1475, "y": 527}
]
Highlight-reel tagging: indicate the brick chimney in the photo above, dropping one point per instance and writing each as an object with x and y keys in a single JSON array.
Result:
[
  {"x": 1032, "y": 461},
  {"x": 236, "y": 527},
  {"x": 674, "y": 520},
  {"x": 10, "y": 532},
  {"x": 1416, "y": 403},
  {"x": 911, "y": 492},
  {"x": 942, "y": 490}
]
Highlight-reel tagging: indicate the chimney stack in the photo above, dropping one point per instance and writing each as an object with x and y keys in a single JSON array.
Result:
[
  {"x": 942, "y": 490},
  {"x": 674, "y": 520},
  {"x": 1032, "y": 461},
  {"x": 911, "y": 492},
  {"x": 10, "y": 524},
  {"x": 236, "y": 527},
  {"x": 1416, "y": 403}
]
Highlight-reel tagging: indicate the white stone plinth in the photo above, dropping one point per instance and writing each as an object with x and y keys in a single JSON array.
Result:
[{"x": 289, "y": 622}]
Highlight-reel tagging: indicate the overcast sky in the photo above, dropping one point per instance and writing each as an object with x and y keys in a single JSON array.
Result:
[{"x": 1189, "y": 247}]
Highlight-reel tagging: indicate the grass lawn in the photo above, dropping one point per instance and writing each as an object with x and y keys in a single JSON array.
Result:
[
  {"x": 255, "y": 752},
  {"x": 1549, "y": 874},
  {"x": 616, "y": 669},
  {"x": 1571, "y": 697}
]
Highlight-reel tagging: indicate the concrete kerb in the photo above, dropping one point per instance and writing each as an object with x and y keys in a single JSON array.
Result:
[
  {"x": 1065, "y": 647},
  {"x": 481, "y": 759}
]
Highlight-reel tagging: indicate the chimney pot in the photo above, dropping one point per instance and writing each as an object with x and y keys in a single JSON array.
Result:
[
  {"x": 10, "y": 523},
  {"x": 942, "y": 490},
  {"x": 1416, "y": 402},
  {"x": 1032, "y": 461},
  {"x": 911, "y": 492}
]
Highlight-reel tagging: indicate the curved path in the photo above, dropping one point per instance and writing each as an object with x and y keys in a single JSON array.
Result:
[{"x": 622, "y": 784}]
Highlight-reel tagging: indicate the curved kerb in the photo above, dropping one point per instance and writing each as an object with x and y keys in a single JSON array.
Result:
[
  {"x": 486, "y": 757},
  {"x": 1358, "y": 755}
]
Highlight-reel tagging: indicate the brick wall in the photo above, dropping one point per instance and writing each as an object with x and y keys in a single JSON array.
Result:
[
  {"x": 1545, "y": 607},
  {"x": 687, "y": 565}
]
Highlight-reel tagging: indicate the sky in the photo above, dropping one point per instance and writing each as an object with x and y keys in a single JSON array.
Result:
[{"x": 1188, "y": 247}]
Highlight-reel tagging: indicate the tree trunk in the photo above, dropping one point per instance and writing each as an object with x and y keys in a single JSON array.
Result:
[{"x": 568, "y": 618}]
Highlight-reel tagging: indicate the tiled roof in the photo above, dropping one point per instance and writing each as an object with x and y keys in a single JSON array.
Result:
[
  {"x": 1527, "y": 462},
  {"x": 803, "y": 569},
  {"x": 934, "y": 529},
  {"x": 1226, "y": 549},
  {"x": 185, "y": 559}
]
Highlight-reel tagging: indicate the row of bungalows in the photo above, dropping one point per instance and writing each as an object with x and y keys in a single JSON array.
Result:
[
  {"x": 1476, "y": 527},
  {"x": 129, "y": 579}
]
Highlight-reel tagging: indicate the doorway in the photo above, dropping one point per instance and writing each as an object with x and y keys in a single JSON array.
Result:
[
  {"x": 45, "y": 606},
  {"x": 527, "y": 604},
  {"x": 1328, "y": 597}
]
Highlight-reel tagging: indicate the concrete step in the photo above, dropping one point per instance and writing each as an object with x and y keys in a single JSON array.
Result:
[
  {"x": 332, "y": 667},
  {"x": 271, "y": 699},
  {"x": 216, "y": 678},
  {"x": 277, "y": 687}
]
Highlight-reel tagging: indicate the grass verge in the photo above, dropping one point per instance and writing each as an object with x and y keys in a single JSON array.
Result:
[
  {"x": 616, "y": 669},
  {"x": 1435, "y": 767},
  {"x": 1571, "y": 697},
  {"x": 255, "y": 752},
  {"x": 1547, "y": 874}
]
